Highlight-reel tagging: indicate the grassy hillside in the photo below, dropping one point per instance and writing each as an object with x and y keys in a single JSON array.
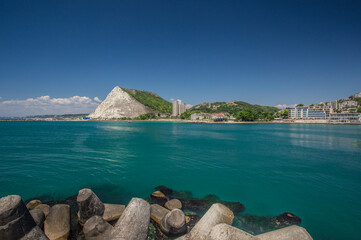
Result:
[
  {"x": 240, "y": 110},
  {"x": 150, "y": 100}
]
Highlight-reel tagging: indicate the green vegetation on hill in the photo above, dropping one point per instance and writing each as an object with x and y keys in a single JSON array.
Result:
[
  {"x": 150, "y": 100},
  {"x": 240, "y": 110}
]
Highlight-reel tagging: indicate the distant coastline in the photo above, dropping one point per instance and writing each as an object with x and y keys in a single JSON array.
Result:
[{"x": 189, "y": 121}]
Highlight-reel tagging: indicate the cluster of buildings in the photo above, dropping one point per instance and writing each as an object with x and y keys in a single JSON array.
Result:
[
  {"x": 217, "y": 117},
  {"x": 340, "y": 111},
  {"x": 178, "y": 108}
]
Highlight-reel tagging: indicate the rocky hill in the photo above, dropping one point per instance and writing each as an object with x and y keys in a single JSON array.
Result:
[
  {"x": 240, "y": 110},
  {"x": 130, "y": 103}
]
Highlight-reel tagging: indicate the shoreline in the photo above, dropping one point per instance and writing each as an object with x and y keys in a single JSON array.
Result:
[{"x": 185, "y": 121}]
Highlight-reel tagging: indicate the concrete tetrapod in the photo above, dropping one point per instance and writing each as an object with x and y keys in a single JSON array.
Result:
[
  {"x": 89, "y": 205},
  {"x": 174, "y": 222},
  {"x": 15, "y": 219},
  {"x": 57, "y": 223},
  {"x": 97, "y": 228},
  {"x": 292, "y": 232},
  {"x": 216, "y": 214},
  {"x": 134, "y": 222},
  {"x": 227, "y": 232}
]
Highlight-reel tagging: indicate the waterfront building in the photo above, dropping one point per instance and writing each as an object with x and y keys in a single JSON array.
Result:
[
  {"x": 178, "y": 108},
  {"x": 309, "y": 112},
  {"x": 345, "y": 117}
]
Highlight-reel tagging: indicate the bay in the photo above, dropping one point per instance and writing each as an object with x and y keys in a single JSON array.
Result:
[{"x": 313, "y": 171}]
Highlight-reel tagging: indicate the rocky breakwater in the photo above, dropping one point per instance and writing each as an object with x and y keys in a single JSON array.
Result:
[{"x": 166, "y": 214}]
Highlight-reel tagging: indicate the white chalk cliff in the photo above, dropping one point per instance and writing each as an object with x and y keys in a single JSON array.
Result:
[{"x": 119, "y": 104}]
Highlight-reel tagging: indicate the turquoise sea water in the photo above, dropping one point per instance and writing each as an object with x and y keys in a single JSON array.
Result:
[{"x": 313, "y": 171}]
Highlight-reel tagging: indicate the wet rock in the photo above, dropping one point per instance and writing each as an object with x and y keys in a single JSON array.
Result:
[
  {"x": 287, "y": 219},
  {"x": 291, "y": 232},
  {"x": 226, "y": 232},
  {"x": 157, "y": 213},
  {"x": 44, "y": 208},
  {"x": 89, "y": 205},
  {"x": 166, "y": 191},
  {"x": 33, "y": 203},
  {"x": 35, "y": 233},
  {"x": 261, "y": 224},
  {"x": 174, "y": 222},
  {"x": 218, "y": 213},
  {"x": 191, "y": 221},
  {"x": 159, "y": 198},
  {"x": 133, "y": 223},
  {"x": 15, "y": 218},
  {"x": 38, "y": 217},
  {"x": 112, "y": 211},
  {"x": 96, "y": 228},
  {"x": 57, "y": 223},
  {"x": 173, "y": 204}
]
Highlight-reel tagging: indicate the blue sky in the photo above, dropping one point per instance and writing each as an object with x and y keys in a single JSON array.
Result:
[{"x": 261, "y": 52}]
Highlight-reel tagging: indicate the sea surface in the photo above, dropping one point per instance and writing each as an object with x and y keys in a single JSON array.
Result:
[{"x": 313, "y": 171}]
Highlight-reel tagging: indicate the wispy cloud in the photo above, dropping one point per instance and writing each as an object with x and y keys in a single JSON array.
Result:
[
  {"x": 1, "y": 98},
  {"x": 284, "y": 106},
  {"x": 97, "y": 100},
  {"x": 47, "y": 105}
]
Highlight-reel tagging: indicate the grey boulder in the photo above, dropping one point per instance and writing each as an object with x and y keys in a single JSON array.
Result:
[
  {"x": 96, "y": 228},
  {"x": 174, "y": 222},
  {"x": 89, "y": 205},
  {"x": 57, "y": 223},
  {"x": 15, "y": 219}
]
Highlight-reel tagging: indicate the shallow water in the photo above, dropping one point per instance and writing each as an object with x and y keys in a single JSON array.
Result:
[{"x": 313, "y": 171}]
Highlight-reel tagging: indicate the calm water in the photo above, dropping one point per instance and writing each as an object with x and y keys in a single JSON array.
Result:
[{"x": 313, "y": 171}]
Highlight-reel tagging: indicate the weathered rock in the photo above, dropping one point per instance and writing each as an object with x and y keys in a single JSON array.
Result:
[
  {"x": 96, "y": 228},
  {"x": 32, "y": 204},
  {"x": 120, "y": 104},
  {"x": 157, "y": 213},
  {"x": 166, "y": 191},
  {"x": 89, "y": 205},
  {"x": 174, "y": 222},
  {"x": 44, "y": 208},
  {"x": 218, "y": 213},
  {"x": 287, "y": 219},
  {"x": 133, "y": 223},
  {"x": 226, "y": 232},
  {"x": 38, "y": 217},
  {"x": 261, "y": 224},
  {"x": 291, "y": 232},
  {"x": 35, "y": 234},
  {"x": 57, "y": 223},
  {"x": 112, "y": 211},
  {"x": 15, "y": 219},
  {"x": 158, "y": 194},
  {"x": 159, "y": 198},
  {"x": 173, "y": 204},
  {"x": 191, "y": 221}
]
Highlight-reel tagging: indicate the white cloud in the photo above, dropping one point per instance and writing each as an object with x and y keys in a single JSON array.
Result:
[
  {"x": 97, "y": 100},
  {"x": 284, "y": 106},
  {"x": 189, "y": 106},
  {"x": 1, "y": 98},
  {"x": 172, "y": 99},
  {"x": 47, "y": 105}
]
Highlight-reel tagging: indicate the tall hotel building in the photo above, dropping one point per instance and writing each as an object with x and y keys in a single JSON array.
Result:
[{"x": 178, "y": 108}]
